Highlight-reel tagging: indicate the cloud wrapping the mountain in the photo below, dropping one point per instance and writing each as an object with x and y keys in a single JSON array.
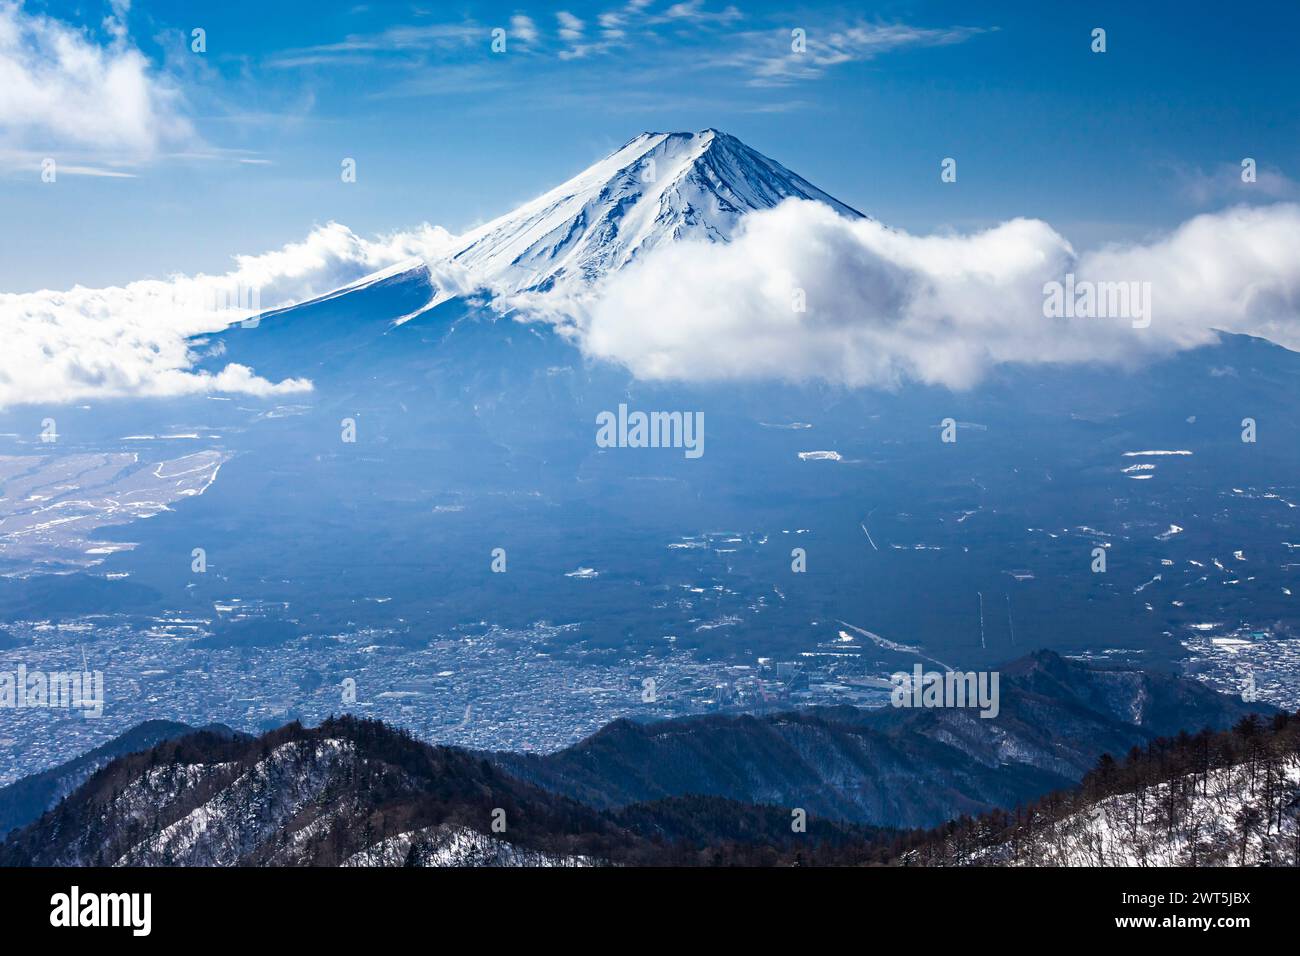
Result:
[
  {"x": 880, "y": 307},
  {"x": 884, "y": 307},
  {"x": 134, "y": 339},
  {"x": 1237, "y": 270}
]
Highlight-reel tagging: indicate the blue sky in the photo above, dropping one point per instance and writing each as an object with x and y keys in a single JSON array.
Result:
[{"x": 238, "y": 149}]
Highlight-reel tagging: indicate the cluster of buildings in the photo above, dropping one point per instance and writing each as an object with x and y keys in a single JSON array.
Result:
[{"x": 539, "y": 689}]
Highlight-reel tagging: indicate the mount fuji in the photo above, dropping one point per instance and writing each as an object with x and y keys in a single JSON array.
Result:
[
  {"x": 657, "y": 188},
  {"x": 440, "y": 431}
]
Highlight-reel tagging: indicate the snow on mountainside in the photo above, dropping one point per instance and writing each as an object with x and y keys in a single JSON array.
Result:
[
  {"x": 655, "y": 189},
  {"x": 455, "y": 846},
  {"x": 358, "y": 793},
  {"x": 1228, "y": 818},
  {"x": 1209, "y": 799},
  {"x": 347, "y": 792},
  {"x": 659, "y": 187}
]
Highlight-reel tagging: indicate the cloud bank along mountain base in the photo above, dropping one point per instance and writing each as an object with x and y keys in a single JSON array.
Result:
[
  {"x": 137, "y": 339},
  {"x": 801, "y": 293},
  {"x": 804, "y": 294}
]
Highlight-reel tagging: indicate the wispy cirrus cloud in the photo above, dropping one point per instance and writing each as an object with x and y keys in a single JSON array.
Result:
[
  {"x": 695, "y": 11},
  {"x": 1225, "y": 183},
  {"x": 72, "y": 169},
  {"x": 571, "y": 28},
  {"x": 573, "y": 32},
  {"x": 524, "y": 28},
  {"x": 683, "y": 37},
  {"x": 774, "y": 58},
  {"x": 418, "y": 39},
  {"x": 33, "y": 163}
]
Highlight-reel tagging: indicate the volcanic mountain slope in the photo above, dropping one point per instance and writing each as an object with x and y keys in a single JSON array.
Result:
[
  {"x": 358, "y": 793},
  {"x": 1225, "y": 799},
  {"x": 895, "y": 767},
  {"x": 656, "y": 188},
  {"x": 474, "y": 430}
]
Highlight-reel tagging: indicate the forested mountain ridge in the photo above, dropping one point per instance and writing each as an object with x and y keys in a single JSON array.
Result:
[
  {"x": 891, "y": 767},
  {"x": 359, "y": 793},
  {"x": 27, "y": 798}
]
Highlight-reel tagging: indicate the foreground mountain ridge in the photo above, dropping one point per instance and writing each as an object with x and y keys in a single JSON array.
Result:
[
  {"x": 358, "y": 793},
  {"x": 24, "y": 800},
  {"x": 713, "y": 789}
]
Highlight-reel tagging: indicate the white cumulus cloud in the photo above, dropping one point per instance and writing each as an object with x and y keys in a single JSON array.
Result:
[
  {"x": 62, "y": 89},
  {"x": 800, "y": 294},
  {"x": 135, "y": 339},
  {"x": 882, "y": 307}
]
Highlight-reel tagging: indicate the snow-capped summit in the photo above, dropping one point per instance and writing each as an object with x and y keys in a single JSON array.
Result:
[{"x": 657, "y": 188}]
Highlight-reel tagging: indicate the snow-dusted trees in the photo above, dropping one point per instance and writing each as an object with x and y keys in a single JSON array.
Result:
[{"x": 1205, "y": 799}]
